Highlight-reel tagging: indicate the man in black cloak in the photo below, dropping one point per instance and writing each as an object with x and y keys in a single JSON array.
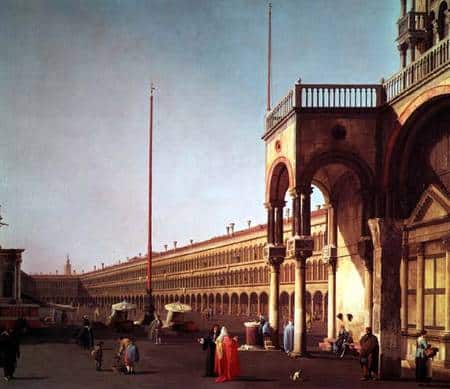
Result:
[{"x": 209, "y": 345}]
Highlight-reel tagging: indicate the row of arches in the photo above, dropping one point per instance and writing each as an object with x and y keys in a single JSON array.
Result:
[
  {"x": 202, "y": 261},
  {"x": 316, "y": 270}
]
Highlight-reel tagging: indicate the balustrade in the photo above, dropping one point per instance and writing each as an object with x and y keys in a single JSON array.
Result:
[
  {"x": 326, "y": 96},
  {"x": 432, "y": 60}
]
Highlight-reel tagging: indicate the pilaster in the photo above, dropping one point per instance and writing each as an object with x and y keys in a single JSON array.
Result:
[{"x": 386, "y": 238}]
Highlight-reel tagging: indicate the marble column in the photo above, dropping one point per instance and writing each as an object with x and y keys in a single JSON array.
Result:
[
  {"x": 300, "y": 307},
  {"x": 332, "y": 261},
  {"x": 274, "y": 258},
  {"x": 420, "y": 279},
  {"x": 386, "y": 238},
  {"x": 329, "y": 255},
  {"x": 274, "y": 293}
]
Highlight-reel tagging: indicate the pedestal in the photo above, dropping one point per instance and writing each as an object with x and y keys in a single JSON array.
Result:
[{"x": 251, "y": 333}]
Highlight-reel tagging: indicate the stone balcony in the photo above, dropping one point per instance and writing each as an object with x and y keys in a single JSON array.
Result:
[
  {"x": 412, "y": 25},
  {"x": 358, "y": 97},
  {"x": 325, "y": 97}
]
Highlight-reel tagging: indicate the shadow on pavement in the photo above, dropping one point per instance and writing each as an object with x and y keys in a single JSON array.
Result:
[
  {"x": 254, "y": 379},
  {"x": 31, "y": 378}
]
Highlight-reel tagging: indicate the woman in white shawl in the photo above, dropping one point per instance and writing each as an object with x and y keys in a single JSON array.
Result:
[{"x": 227, "y": 360}]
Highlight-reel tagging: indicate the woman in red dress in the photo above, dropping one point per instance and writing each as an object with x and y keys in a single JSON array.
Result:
[{"x": 227, "y": 359}]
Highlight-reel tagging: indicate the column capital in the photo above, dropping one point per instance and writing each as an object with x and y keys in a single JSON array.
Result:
[
  {"x": 420, "y": 249},
  {"x": 268, "y": 205},
  {"x": 277, "y": 203},
  {"x": 274, "y": 255},
  {"x": 446, "y": 243},
  {"x": 300, "y": 247},
  {"x": 293, "y": 193}
]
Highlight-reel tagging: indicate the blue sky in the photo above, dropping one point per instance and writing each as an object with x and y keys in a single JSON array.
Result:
[{"x": 74, "y": 79}]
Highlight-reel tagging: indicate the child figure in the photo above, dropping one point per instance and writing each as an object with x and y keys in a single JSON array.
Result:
[{"x": 97, "y": 353}]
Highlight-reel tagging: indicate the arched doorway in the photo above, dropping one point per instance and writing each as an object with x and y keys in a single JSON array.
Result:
[
  {"x": 243, "y": 304},
  {"x": 263, "y": 303}
]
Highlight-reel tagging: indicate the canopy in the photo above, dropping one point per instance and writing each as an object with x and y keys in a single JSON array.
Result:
[
  {"x": 123, "y": 306},
  {"x": 178, "y": 307}
]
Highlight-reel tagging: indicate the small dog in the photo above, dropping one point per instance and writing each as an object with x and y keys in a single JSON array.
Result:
[{"x": 297, "y": 375}]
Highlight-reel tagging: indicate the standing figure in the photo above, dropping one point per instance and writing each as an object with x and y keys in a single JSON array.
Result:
[
  {"x": 9, "y": 346},
  {"x": 261, "y": 321},
  {"x": 97, "y": 353},
  {"x": 209, "y": 345},
  {"x": 288, "y": 337},
  {"x": 131, "y": 357},
  {"x": 227, "y": 359},
  {"x": 421, "y": 357},
  {"x": 158, "y": 330},
  {"x": 369, "y": 355},
  {"x": 86, "y": 337}
]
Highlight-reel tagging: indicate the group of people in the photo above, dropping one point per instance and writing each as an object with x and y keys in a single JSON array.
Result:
[
  {"x": 126, "y": 357},
  {"x": 222, "y": 359}
]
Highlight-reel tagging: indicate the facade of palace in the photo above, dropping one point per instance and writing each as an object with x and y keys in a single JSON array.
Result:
[
  {"x": 226, "y": 274},
  {"x": 381, "y": 156}
]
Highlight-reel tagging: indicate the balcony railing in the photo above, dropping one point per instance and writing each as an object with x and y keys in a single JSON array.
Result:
[
  {"x": 434, "y": 59},
  {"x": 412, "y": 22},
  {"x": 320, "y": 96}
]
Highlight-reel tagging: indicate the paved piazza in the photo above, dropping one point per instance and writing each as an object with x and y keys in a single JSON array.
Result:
[{"x": 179, "y": 364}]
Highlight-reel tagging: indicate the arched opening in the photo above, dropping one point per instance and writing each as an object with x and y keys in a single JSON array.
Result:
[
  {"x": 234, "y": 304},
  {"x": 218, "y": 305},
  {"x": 226, "y": 304},
  {"x": 420, "y": 156},
  {"x": 284, "y": 307},
  {"x": 308, "y": 305},
  {"x": 263, "y": 303},
  {"x": 318, "y": 306},
  {"x": 253, "y": 304},
  {"x": 211, "y": 302},
  {"x": 442, "y": 20},
  {"x": 243, "y": 304},
  {"x": 198, "y": 303}
]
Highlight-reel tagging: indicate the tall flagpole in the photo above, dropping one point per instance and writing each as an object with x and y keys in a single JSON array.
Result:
[
  {"x": 269, "y": 57},
  {"x": 150, "y": 306}
]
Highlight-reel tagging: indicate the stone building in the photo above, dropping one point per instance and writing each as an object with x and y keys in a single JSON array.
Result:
[
  {"x": 226, "y": 274},
  {"x": 380, "y": 155}
]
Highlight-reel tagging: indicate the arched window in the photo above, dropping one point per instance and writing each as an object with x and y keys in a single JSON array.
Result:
[{"x": 442, "y": 21}]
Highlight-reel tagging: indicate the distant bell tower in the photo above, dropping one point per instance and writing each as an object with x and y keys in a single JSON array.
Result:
[
  {"x": 422, "y": 25},
  {"x": 67, "y": 267}
]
